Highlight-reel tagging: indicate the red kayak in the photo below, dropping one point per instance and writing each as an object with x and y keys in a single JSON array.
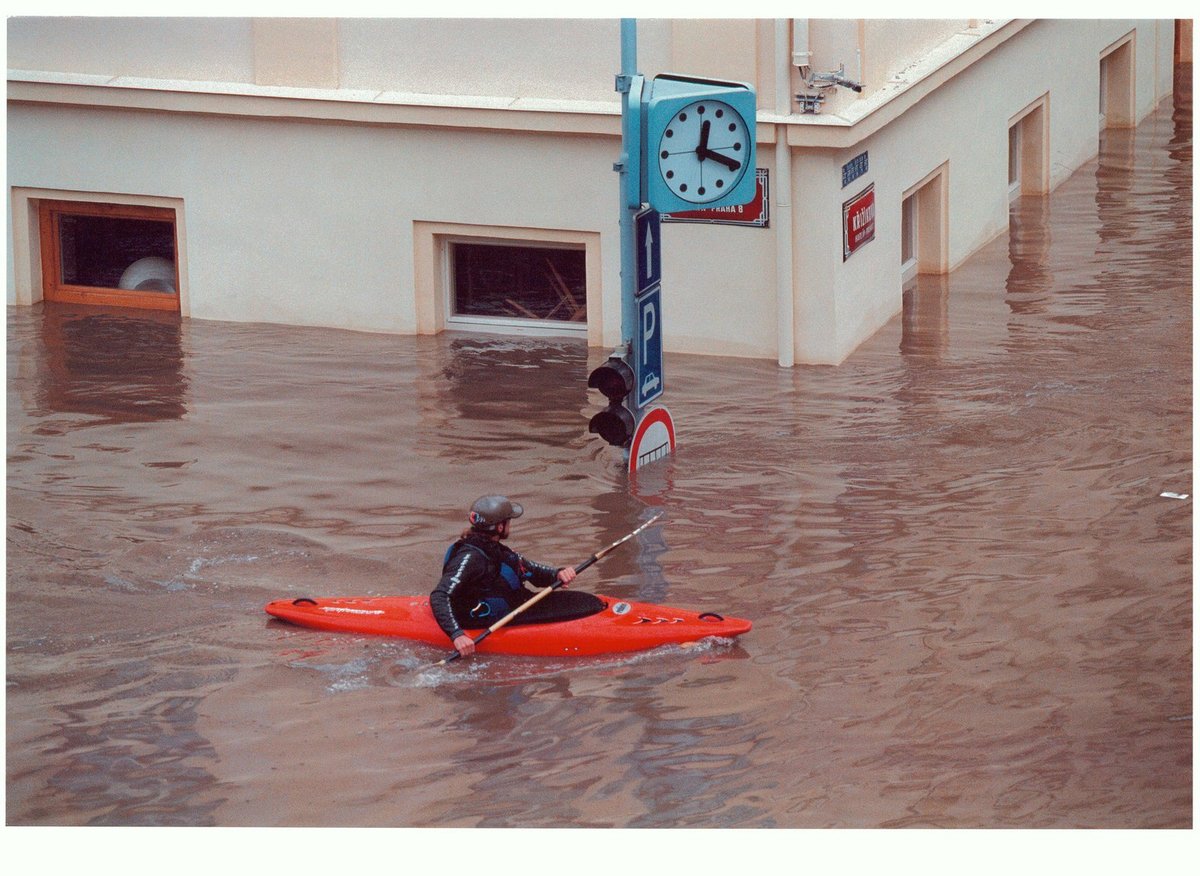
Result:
[{"x": 614, "y": 626}]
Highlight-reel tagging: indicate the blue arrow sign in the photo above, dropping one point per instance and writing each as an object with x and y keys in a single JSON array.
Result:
[
  {"x": 648, "y": 245},
  {"x": 648, "y": 356}
]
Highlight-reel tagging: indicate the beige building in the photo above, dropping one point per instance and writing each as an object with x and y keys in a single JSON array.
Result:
[{"x": 423, "y": 175}]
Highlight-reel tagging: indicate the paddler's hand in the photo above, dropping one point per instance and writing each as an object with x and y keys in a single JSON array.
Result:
[
  {"x": 464, "y": 645},
  {"x": 566, "y": 575}
]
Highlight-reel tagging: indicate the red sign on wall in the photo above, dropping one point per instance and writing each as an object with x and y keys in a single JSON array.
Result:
[
  {"x": 858, "y": 221},
  {"x": 754, "y": 213}
]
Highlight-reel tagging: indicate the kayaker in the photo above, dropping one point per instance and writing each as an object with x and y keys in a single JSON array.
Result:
[{"x": 482, "y": 578}]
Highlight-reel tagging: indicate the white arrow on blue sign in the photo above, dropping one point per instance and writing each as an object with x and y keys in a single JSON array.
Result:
[{"x": 648, "y": 237}]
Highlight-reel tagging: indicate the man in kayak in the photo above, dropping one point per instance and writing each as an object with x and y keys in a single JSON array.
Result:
[{"x": 482, "y": 578}]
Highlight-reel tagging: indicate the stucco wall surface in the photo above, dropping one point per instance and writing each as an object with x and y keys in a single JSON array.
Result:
[{"x": 299, "y": 200}]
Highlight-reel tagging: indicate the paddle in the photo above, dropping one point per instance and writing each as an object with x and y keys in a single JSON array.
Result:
[{"x": 541, "y": 594}]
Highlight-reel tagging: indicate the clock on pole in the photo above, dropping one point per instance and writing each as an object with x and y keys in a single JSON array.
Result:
[
  {"x": 686, "y": 143},
  {"x": 700, "y": 143}
]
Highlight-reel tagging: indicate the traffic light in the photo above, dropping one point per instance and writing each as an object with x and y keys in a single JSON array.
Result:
[{"x": 616, "y": 422}]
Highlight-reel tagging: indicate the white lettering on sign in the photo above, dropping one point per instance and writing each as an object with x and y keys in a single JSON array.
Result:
[
  {"x": 351, "y": 610},
  {"x": 649, "y": 324},
  {"x": 753, "y": 213},
  {"x": 864, "y": 217}
]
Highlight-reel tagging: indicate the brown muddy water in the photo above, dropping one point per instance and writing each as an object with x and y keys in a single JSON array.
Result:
[{"x": 970, "y": 587}]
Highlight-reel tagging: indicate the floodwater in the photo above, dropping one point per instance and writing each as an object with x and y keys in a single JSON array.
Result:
[{"x": 963, "y": 550}]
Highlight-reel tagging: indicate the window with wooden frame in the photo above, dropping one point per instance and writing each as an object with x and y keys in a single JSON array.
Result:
[{"x": 112, "y": 254}]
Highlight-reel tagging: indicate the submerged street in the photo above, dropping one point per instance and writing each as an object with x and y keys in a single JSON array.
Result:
[{"x": 966, "y": 552}]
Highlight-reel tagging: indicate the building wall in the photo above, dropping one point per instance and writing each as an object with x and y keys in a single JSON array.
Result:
[
  {"x": 962, "y": 127},
  {"x": 201, "y": 49},
  {"x": 570, "y": 58},
  {"x": 310, "y": 224},
  {"x": 317, "y": 163}
]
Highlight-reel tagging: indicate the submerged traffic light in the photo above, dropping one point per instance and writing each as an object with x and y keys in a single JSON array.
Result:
[{"x": 616, "y": 422}]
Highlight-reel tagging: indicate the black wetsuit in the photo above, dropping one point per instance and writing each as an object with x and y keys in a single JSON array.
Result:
[{"x": 483, "y": 580}]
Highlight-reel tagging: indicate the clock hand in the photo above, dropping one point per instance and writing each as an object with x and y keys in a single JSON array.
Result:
[
  {"x": 731, "y": 163},
  {"x": 703, "y": 147}
]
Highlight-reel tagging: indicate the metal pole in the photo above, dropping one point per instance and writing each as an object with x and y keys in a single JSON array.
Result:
[
  {"x": 629, "y": 46},
  {"x": 785, "y": 291},
  {"x": 630, "y": 179}
]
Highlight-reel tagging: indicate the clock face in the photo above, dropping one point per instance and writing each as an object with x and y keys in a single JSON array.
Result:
[{"x": 702, "y": 152}]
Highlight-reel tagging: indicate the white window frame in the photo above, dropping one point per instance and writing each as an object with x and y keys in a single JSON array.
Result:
[
  {"x": 1103, "y": 119},
  {"x": 431, "y": 277},
  {"x": 908, "y": 238},
  {"x": 1016, "y": 145}
]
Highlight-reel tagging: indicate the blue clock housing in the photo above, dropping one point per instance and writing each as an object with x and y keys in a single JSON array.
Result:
[{"x": 667, "y": 97}]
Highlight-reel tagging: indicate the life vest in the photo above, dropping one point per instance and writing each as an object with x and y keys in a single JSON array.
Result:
[
  {"x": 493, "y": 606},
  {"x": 513, "y": 576}
]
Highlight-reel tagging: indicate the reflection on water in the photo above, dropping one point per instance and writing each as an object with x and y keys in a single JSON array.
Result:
[
  {"x": 925, "y": 317},
  {"x": 970, "y": 583},
  {"x": 111, "y": 365},
  {"x": 1029, "y": 280},
  {"x": 484, "y": 387}
]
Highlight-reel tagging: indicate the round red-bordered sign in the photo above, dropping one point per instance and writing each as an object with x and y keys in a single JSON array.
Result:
[{"x": 653, "y": 439}]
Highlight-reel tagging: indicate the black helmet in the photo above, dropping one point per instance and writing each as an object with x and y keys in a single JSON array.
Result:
[{"x": 488, "y": 512}]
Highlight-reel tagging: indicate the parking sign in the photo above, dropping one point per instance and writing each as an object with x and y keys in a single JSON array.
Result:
[{"x": 648, "y": 347}]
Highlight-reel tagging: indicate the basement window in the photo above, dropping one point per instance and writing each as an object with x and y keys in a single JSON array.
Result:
[
  {"x": 1117, "y": 85},
  {"x": 908, "y": 238},
  {"x": 113, "y": 254},
  {"x": 1014, "y": 161},
  {"x": 1105, "y": 75},
  {"x": 519, "y": 286}
]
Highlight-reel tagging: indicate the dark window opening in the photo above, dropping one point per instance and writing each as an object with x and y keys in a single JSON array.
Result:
[
  {"x": 519, "y": 282},
  {"x": 100, "y": 251}
]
